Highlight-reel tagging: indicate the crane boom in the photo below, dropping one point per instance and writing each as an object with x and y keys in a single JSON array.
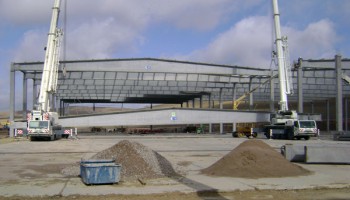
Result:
[
  {"x": 41, "y": 123},
  {"x": 282, "y": 68},
  {"x": 50, "y": 71}
]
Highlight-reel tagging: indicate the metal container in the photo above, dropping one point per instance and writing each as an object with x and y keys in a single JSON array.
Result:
[{"x": 99, "y": 172}]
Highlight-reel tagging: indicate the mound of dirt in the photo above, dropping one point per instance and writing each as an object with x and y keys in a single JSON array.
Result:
[
  {"x": 254, "y": 159},
  {"x": 137, "y": 161}
]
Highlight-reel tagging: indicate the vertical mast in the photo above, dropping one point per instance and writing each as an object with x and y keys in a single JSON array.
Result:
[
  {"x": 281, "y": 59},
  {"x": 49, "y": 75}
]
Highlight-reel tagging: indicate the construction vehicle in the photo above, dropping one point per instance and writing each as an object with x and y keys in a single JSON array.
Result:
[
  {"x": 42, "y": 123},
  {"x": 245, "y": 130},
  {"x": 285, "y": 123}
]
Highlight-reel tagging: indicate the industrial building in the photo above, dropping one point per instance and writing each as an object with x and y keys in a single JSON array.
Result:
[{"x": 320, "y": 86}]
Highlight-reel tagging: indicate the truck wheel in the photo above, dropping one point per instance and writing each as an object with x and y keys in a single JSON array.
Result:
[
  {"x": 290, "y": 136},
  {"x": 234, "y": 134}
]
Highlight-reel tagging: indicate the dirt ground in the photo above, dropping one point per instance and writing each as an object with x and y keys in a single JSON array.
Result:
[
  {"x": 314, "y": 194},
  {"x": 23, "y": 163}
]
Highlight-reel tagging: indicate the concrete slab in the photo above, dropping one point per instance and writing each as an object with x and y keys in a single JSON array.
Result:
[{"x": 327, "y": 154}]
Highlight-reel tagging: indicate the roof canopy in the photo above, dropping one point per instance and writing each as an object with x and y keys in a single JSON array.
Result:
[{"x": 148, "y": 80}]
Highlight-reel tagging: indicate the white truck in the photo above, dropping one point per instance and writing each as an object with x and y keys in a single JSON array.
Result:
[
  {"x": 41, "y": 123},
  {"x": 286, "y": 125}
]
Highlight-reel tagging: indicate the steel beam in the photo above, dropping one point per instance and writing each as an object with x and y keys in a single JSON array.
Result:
[{"x": 163, "y": 117}]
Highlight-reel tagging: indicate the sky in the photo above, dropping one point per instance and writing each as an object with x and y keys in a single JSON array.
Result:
[{"x": 233, "y": 32}]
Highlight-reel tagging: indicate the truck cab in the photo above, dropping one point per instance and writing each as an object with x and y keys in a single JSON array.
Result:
[{"x": 305, "y": 129}]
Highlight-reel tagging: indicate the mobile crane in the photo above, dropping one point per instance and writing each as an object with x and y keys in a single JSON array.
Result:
[
  {"x": 41, "y": 123},
  {"x": 285, "y": 123}
]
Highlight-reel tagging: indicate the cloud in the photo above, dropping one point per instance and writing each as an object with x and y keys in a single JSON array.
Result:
[
  {"x": 106, "y": 28},
  {"x": 32, "y": 46},
  {"x": 25, "y": 12},
  {"x": 247, "y": 43},
  {"x": 317, "y": 40},
  {"x": 250, "y": 43},
  {"x": 100, "y": 39}
]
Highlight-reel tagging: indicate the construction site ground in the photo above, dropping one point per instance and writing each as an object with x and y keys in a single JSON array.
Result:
[{"x": 32, "y": 170}]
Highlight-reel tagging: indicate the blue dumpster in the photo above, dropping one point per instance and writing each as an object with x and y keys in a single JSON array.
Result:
[{"x": 99, "y": 172}]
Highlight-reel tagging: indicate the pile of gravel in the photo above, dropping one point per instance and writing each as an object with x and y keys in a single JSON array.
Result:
[
  {"x": 138, "y": 162},
  {"x": 254, "y": 159}
]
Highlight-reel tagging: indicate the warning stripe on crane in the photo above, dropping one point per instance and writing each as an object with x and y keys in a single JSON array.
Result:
[
  {"x": 46, "y": 116},
  {"x": 29, "y": 116}
]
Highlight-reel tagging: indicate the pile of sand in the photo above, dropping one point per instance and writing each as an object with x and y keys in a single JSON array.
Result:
[
  {"x": 138, "y": 161},
  {"x": 254, "y": 159}
]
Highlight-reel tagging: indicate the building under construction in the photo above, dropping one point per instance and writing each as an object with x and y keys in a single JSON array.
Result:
[{"x": 201, "y": 93}]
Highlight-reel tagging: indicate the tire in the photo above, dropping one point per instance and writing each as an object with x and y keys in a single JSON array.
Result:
[{"x": 234, "y": 134}]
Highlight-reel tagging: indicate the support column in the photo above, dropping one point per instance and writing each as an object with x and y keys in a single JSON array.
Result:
[
  {"x": 24, "y": 97},
  {"x": 34, "y": 94},
  {"x": 221, "y": 107},
  {"x": 210, "y": 104},
  {"x": 210, "y": 107},
  {"x": 12, "y": 100},
  {"x": 251, "y": 101},
  {"x": 339, "y": 98},
  {"x": 220, "y": 99},
  {"x": 300, "y": 87},
  {"x": 346, "y": 114},
  {"x": 53, "y": 102},
  {"x": 58, "y": 105},
  {"x": 328, "y": 115},
  {"x": 272, "y": 93},
  {"x": 234, "y": 93}
]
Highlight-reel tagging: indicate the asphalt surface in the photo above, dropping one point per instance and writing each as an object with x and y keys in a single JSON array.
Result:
[{"x": 34, "y": 168}]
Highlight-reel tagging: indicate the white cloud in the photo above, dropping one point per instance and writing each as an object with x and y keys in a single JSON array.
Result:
[
  {"x": 25, "y": 12},
  {"x": 247, "y": 43},
  {"x": 317, "y": 40},
  {"x": 250, "y": 42},
  {"x": 31, "y": 46},
  {"x": 100, "y": 39}
]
